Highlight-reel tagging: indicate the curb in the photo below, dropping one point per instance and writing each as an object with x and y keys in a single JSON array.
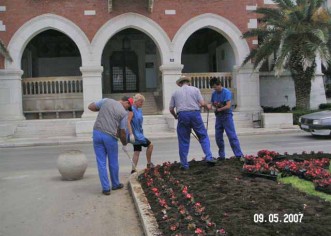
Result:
[
  {"x": 55, "y": 141},
  {"x": 149, "y": 223}
]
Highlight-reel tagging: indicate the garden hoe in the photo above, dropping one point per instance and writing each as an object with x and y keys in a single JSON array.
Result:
[{"x": 133, "y": 165}]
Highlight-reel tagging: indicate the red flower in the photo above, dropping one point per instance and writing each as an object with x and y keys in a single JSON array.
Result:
[{"x": 198, "y": 231}]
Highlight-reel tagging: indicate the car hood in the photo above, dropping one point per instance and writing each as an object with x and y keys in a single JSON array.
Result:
[{"x": 318, "y": 115}]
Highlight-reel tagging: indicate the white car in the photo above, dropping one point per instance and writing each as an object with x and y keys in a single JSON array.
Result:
[{"x": 317, "y": 123}]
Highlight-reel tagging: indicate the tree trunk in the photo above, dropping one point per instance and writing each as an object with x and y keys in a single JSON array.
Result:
[{"x": 302, "y": 82}]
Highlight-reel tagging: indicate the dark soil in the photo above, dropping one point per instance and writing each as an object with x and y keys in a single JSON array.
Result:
[{"x": 231, "y": 199}]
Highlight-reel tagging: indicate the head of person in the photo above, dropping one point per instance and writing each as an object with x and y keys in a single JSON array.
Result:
[
  {"x": 183, "y": 80},
  {"x": 127, "y": 102},
  {"x": 138, "y": 100},
  {"x": 216, "y": 83}
]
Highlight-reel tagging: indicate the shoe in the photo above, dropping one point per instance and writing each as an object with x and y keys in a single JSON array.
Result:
[
  {"x": 133, "y": 171},
  {"x": 241, "y": 158},
  {"x": 183, "y": 168},
  {"x": 211, "y": 162},
  {"x": 118, "y": 187},
  {"x": 220, "y": 158},
  {"x": 106, "y": 192},
  {"x": 150, "y": 165}
]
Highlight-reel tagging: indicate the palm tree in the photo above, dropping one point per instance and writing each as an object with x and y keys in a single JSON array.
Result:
[
  {"x": 4, "y": 52},
  {"x": 295, "y": 32}
]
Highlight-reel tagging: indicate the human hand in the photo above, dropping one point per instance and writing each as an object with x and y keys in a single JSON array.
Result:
[{"x": 131, "y": 138}]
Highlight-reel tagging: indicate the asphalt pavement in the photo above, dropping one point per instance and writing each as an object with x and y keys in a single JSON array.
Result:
[{"x": 36, "y": 201}]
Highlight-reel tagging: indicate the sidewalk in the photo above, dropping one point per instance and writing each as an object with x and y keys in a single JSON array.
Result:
[{"x": 59, "y": 140}]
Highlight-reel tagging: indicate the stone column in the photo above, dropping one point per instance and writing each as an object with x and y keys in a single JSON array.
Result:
[
  {"x": 247, "y": 84},
  {"x": 170, "y": 73},
  {"x": 92, "y": 87},
  {"x": 11, "y": 102}
]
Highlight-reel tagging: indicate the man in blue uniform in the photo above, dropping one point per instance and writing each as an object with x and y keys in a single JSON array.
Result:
[
  {"x": 111, "y": 124},
  {"x": 187, "y": 101},
  {"x": 221, "y": 101}
]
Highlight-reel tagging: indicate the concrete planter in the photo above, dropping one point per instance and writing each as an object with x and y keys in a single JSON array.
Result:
[
  {"x": 72, "y": 165},
  {"x": 277, "y": 120}
]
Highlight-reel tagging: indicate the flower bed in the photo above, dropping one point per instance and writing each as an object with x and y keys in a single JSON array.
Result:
[
  {"x": 222, "y": 201},
  {"x": 268, "y": 164}
]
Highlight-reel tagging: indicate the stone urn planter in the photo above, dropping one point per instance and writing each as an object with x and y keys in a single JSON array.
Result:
[{"x": 72, "y": 165}]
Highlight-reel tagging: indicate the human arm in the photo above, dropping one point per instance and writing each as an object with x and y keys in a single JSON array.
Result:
[
  {"x": 173, "y": 112},
  {"x": 95, "y": 106},
  {"x": 130, "y": 116},
  {"x": 92, "y": 107},
  {"x": 172, "y": 106},
  {"x": 225, "y": 107}
]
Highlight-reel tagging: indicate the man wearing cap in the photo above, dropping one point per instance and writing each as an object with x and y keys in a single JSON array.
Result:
[
  {"x": 221, "y": 101},
  {"x": 110, "y": 125},
  {"x": 187, "y": 101}
]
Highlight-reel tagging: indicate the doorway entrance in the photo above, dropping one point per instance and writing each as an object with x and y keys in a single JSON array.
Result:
[{"x": 124, "y": 72}]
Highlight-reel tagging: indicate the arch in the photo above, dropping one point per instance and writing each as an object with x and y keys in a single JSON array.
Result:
[
  {"x": 131, "y": 20},
  {"x": 39, "y": 24},
  {"x": 217, "y": 23}
]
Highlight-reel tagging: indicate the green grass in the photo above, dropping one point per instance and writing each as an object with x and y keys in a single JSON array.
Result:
[{"x": 305, "y": 186}]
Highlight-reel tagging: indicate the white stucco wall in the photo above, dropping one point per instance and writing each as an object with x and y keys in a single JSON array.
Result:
[
  {"x": 195, "y": 63},
  {"x": 275, "y": 92},
  {"x": 225, "y": 58}
]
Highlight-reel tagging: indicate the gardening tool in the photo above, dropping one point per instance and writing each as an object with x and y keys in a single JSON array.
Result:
[
  {"x": 133, "y": 165},
  {"x": 207, "y": 119}
]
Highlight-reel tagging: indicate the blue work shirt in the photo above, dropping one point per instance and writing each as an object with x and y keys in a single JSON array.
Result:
[
  {"x": 221, "y": 98},
  {"x": 137, "y": 125}
]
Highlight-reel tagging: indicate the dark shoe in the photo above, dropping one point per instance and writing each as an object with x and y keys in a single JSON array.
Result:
[
  {"x": 211, "y": 162},
  {"x": 106, "y": 192},
  {"x": 183, "y": 168},
  {"x": 241, "y": 158},
  {"x": 221, "y": 158},
  {"x": 118, "y": 187},
  {"x": 150, "y": 165},
  {"x": 133, "y": 171}
]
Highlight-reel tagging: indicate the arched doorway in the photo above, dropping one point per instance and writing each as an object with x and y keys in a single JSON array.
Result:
[
  {"x": 206, "y": 54},
  {"x": 131, "y": 60},
  {"x": 51, "y": 82}
]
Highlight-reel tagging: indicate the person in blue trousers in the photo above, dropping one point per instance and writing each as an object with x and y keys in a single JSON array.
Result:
[
  {"x": 110, "y": 124},
  {"x": 136, "y": 132},
  {"x": 221, "y": 101},
  {"x": 185, "y": 106}
]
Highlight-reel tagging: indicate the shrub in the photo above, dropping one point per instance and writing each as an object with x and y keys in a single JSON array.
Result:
[
  {"x": 281, "y": 109},
  {"x": 325, "y": 106}
]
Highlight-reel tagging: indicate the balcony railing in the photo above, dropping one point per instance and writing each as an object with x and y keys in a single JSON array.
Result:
[
  {"x": 201, "y": 80},
  {"x": 52, "y": 97},
  {"x": 52, "y": 85}
]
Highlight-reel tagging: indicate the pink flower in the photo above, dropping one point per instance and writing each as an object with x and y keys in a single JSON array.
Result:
[
  {"x": 188, "y": 196},
  {"x": 198, "y": 231},
  {"x": 221, "y": 231}
]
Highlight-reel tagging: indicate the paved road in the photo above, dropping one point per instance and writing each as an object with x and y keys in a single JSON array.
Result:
[{"x": 35, "y": 201}]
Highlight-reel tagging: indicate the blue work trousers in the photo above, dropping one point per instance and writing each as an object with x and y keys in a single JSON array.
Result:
[
  {"x": 225, "y": 122},
  {"x": 188, "y": 120},
  {"x": 105, "y": 147}
]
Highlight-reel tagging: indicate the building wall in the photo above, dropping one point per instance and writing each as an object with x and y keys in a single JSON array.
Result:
[{"x": 90, "y": 16}]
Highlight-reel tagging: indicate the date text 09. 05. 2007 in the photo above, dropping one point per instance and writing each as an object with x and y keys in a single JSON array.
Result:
[{"x": 278, "y": 218}]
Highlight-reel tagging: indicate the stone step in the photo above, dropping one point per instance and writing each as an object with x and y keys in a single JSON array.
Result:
[
  {"x": 45, "y": 128},
  {"x": 67, "y": 127}
]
